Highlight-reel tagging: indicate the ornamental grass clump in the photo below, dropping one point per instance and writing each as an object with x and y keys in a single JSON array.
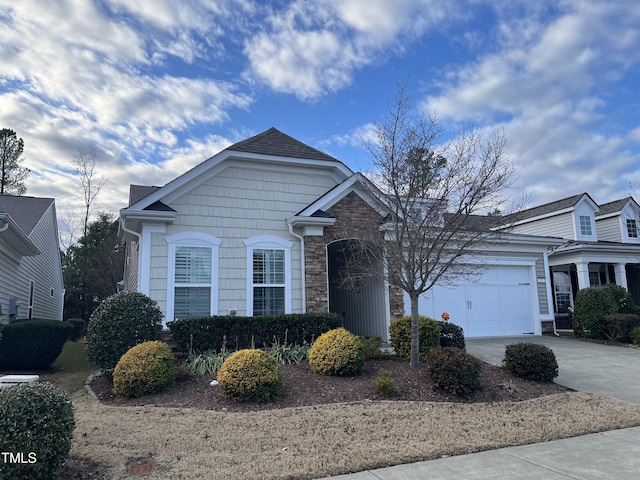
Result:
[
  {"x": 337, "y": 352},
  {"x": 250, "y": 375},
  {"x": 145, "y": 369}
]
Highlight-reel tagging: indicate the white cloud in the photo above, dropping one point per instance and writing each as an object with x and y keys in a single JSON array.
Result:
[
  {"x": 546, "y": 84},
  {"x": 314, "y": 48}
]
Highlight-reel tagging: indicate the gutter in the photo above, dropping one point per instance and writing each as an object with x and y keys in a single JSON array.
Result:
[{"x": 302, "y": 269}]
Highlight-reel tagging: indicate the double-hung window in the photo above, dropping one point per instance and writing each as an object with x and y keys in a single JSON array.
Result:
[
  {"x": 585, "y": 225},
  {"x": 269, "y": 275},
  {"x": 193, "y": 275},
  {"x": 632, "y": 228}
]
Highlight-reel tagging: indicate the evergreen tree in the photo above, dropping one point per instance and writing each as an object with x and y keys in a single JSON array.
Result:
[{"x": 12, "y": 175}]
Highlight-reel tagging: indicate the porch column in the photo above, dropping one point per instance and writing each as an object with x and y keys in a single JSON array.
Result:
[
  {"x": 582, "y": 270},
  {"x": 621, "y": 275}
]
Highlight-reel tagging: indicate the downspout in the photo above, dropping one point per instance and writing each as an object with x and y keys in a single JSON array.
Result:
[
  {"x": 302, "y": 269},
  {"x": 138, "y": 236}
]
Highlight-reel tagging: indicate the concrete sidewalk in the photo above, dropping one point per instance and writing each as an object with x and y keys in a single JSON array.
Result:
[{"x": 610, "y": 455}]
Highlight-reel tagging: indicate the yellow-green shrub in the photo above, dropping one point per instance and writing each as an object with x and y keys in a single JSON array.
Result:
[
  {"x": 400, "y": 336},
  {"x": 250, "y": 375},
  {"x": 144, "y": 369},
  {"x": 337, "y": 352},
  {"x": 384, "y": 383}
]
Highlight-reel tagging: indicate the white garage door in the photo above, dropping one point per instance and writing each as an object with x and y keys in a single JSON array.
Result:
[{"x": 498, "y": 303}]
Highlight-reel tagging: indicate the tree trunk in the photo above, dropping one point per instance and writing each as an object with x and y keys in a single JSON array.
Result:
[{"x": 415, "y": 331}]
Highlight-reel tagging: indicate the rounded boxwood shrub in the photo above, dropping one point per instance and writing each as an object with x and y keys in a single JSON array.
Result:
[
  {"x": 454, "y": 370},
  {"x": 145, "y": 369},
  {"x": 531, "y": 361},
  {"x": 250, "y": 375},
  {"x": 36, "y": 420},
  {"x": 32, "y": 344},
  {"x": 120, "y": 322},
  {"x": 451, "y": 335},
  {"x": 623, "y": 299},
  {"x": 400, "y": 335},
  {"x": 79, "y": 329},
  {"x": 592, "y": 305},
  {"x": 337, "y": 352}
]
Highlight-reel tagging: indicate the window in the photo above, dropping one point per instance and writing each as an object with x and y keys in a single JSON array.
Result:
[
  {"x": 585, "y": 225},
  {"x": 32, "y": 288},
  {"x": 562, "y": 289},
  {"x": 192, "y": 288},
  {"x": 269, "y": 275},
  {"x": 632, "y": 228},
  {"x": 594, "y": 279}
]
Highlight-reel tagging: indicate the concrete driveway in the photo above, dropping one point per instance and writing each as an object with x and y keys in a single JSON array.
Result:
[{"x": 584, "y": 366}]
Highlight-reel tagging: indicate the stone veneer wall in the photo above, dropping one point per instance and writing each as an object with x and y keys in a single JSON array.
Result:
[{"x": 351, "y": 213}]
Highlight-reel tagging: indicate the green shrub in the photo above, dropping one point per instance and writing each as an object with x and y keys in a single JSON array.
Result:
[
  {"x": 618, "y": 326},
  {"x": 35, "y": 418},
  {"x": 120, "y": 322},
  {"x": 250, "y": 375},
  {"x": 635, "y": 336},
  {"x": 592, "y": 305},
  {"x": 400, "y": 335},
  {"x": 371, "y": 347},
  {"x": 337, "y": 352},
  {"x": 454, "y": 370},
  {"x": 209, "y": 333},
  {"x": 451, "y": 335},
  {"x": 32, "y": 344},
  {"x": 531, "y": 361},
  {"x": 79, "y": 329},
  {"x": 384, "y": 383},
  {"x": 622, "y": 298},
  {"x": 287, "y": 353},
  {"x": 144, "y": 369}
]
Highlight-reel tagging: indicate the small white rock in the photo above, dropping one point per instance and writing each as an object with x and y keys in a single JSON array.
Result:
[{"x": 213, "y": 383}]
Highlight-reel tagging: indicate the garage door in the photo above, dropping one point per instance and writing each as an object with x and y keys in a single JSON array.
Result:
[{"x": 498, "y": 303}]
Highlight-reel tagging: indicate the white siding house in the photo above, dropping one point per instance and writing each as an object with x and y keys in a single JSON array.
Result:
[{"x": 31, "y": 284}]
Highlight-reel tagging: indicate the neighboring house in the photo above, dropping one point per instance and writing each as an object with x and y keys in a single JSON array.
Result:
[
  {"x": 601, "y": 246},
  {"x": 31, "y": 284},
  {"x": 263, "y": 228}
]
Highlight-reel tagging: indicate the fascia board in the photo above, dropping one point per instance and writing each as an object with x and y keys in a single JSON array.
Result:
[
  {"x": 16, "y": 238},
  {"x": 332, "y": 197}
]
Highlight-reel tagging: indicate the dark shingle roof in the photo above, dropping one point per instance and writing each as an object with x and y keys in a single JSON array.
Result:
[
  {"x": 274, "y": 142},
  {"x": 611, "y": 207},
  {"x": 546, "y": 208},
  {"x": 25, "y": 211},
  {"x": 138, "y": 192}
]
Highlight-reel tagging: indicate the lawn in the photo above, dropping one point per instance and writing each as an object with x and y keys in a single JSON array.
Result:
[{"x": 310, "y": 441}]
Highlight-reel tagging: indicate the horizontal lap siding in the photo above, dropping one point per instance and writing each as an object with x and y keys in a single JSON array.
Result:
[
  {"x": 44, "y": 270},
  {"x": 557, "y": 226},
  {"x": 237, "y": 204}
]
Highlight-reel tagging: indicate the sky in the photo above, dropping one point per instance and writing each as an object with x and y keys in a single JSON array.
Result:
[{"x": 157, "y": 87}]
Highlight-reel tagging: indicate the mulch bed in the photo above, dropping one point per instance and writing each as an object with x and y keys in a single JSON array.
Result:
[{"x": 302, "y": 387}]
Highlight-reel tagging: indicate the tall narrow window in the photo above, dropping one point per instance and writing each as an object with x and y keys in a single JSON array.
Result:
[
  {"x": 32, "y": 288},
  {"x": 268, "y": 282},
  {"x": 192, "y": 289},
  {"x": 632, "y": 228},
  {"x": 585, "y": 225},
  {"x": 268, "y": 275},
  {"x": 192, "y": 282}
]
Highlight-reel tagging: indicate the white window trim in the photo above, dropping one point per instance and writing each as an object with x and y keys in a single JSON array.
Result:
[
  {"x": 580, "y": 225},
  {"x": 635, "y": 227},
  {"x": 191, "y": 239},
  {"x": 268, "y": 242}
]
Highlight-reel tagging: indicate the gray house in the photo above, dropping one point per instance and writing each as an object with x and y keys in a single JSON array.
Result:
[{"x": 31, "y": 284}]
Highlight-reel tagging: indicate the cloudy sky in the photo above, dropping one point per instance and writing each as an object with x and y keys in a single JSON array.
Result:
[{"x": 159, "y": 86}]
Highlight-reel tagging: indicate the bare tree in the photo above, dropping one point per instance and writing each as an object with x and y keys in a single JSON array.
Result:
[
  {"x": 84, "y": 166},
  {"x": 437, "y": 198}
]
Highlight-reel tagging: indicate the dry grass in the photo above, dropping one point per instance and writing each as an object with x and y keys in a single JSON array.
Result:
[{"x": 312, "y": 442}]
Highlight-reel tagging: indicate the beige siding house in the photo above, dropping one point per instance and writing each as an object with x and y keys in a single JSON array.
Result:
[
  {"x": 262, "y": 228},
  {"x": 31, "y": 284}
]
